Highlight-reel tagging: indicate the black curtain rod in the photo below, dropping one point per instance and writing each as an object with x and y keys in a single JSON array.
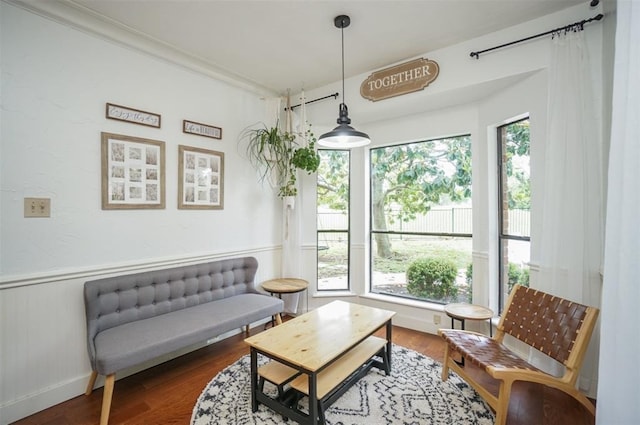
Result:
[
  {"x": 334, "y": 95},
  {"x": 565, "y": 28}
]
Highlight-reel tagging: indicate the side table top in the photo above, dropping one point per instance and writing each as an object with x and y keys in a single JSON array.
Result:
[
  {"x": 468, "y": 311},
  {"x": 285, "y": 285}
]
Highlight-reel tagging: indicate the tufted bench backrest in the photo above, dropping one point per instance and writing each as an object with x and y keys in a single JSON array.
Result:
[{"x": 118, "y": 300}]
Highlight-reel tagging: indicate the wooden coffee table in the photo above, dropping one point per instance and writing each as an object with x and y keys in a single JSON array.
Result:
[{"x": 323, "y": 352}]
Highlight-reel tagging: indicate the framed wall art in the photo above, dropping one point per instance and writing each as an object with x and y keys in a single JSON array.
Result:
[
  {"x": 200, "y": 179},
  {"x": 136, "y": 116},
  {"x": 191, "y": 127},
  {"x": 133, "y": 172}
]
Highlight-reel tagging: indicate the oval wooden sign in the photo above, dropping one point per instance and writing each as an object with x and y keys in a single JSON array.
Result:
[{"x": 400, "y": 79}]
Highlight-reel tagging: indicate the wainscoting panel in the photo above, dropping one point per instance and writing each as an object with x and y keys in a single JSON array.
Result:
[{"x": 43, "y": 357}]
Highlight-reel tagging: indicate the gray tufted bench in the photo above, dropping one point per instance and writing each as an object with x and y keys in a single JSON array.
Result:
[{"x": 138, "y": 317}]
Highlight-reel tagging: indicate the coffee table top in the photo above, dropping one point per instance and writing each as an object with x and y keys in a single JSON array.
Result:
[
  {"x": 313, "y": 339},
  {"x": 285, "y": 285},
  {"x": 468, "y": 311}
]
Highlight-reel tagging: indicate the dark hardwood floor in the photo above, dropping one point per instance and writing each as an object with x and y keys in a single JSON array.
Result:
[{"x": 166, "y": 394}]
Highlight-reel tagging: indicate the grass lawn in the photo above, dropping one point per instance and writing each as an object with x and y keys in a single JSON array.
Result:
[
  {"x": 332, "y": 262},
  {"x": 405, "y": 251}
]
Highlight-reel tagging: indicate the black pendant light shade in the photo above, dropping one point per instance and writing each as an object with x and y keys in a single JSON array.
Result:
[{"x": 343, "y": 136}]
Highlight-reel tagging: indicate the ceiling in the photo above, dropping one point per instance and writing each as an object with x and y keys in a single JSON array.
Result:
[{"x": 276, "y": 45}]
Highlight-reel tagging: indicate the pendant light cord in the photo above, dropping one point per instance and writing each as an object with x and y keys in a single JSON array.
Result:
[
  {"x": 343, "y": 136},
  {"x": 342, "y": 32}
]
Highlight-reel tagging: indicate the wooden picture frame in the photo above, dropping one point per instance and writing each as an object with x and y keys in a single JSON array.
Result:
[
  {"x": 133, "y": 172},
  {"x": 200, "y": 179},
  {"x": 135, "y": 116},
  {"x": 199, "y": 129}
]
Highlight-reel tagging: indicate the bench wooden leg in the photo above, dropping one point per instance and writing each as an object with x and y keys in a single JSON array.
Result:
[
  {"x": 503, "y": 402},
  {"x": 278, "y": 319},
  {"x": 445, "y": 364},
  {"x": 584, "y": 400},
  {"x": 92, "y": 382},
  {"x": 109, "y": 383}
]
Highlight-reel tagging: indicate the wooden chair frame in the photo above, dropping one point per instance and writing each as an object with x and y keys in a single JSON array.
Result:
[{"x": 555, "y": 326}]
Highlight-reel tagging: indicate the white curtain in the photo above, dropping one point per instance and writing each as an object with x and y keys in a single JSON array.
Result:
[
  {"x": 292, "y": 216},
  {"x": 572, "y": 225},
  {"x": 618, "y": 400},
  {"x": 291, "y": 251}
]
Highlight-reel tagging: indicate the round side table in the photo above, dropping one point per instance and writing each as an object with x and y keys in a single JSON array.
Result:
[
  {"x": 464, "y": 311},
  {"x": 284, "y": 285}
]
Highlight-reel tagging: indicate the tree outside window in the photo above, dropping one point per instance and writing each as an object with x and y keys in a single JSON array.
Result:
[
  {"x": 514, "y": 205},
  {"x": 421, "y": 220},
  {"x": 333, "y": 220}
]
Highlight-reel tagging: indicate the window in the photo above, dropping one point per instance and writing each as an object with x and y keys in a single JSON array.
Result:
[
  {"x": 514, "y": 204},
  {"x": 333, "y": 220},
  {"x": 421, "y": 220}
]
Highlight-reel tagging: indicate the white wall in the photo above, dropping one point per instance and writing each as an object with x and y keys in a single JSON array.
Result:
[{"x": 55, "y": 83}]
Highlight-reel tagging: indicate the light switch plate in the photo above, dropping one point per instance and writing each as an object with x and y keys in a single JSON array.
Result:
[{"x": 37, "y": 207}]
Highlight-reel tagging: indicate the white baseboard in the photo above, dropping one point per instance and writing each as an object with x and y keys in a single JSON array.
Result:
[
  {"x": 47, "y": 397},
  {"x": 33, "y": 403}
]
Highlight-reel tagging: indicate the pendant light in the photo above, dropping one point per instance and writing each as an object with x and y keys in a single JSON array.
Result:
[{"x": 343, "y": 136}]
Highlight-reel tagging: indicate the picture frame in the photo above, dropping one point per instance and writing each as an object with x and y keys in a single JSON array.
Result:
[
  {"x": 133, "y": 172},
  {"x": 199, "y": 129},
  {"x": 135, "y": 116},
  {"x": 200, "y": 178}
]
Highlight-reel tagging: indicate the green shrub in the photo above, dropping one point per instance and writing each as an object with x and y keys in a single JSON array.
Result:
[
  {"x": 432, "y": 278},
  {"x": 469, "y": 280},
  {"x": 524, "y": 277},
  {"x": 517, "y": 274}
]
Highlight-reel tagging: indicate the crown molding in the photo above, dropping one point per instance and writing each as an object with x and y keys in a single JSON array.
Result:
[{"x": 78, "y": 17}]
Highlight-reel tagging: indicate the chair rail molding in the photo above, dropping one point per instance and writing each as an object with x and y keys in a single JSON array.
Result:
[{"x": 9, "y": 282}]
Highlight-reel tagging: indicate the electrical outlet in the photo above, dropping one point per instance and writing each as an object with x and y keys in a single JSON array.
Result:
[
  {"x": 37, "y": 207},
  {"x": 436, "y": 319}
]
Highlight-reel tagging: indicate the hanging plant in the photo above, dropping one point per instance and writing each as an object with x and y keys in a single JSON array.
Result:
[
  {"x": 306, "y": 158},
  {"x": 276, "y": 153},
  {"x": 289, "y": 188},
  {"x": 269, "y": 150}
]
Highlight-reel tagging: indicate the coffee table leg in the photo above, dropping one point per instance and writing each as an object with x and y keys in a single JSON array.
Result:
[
  {"x": 313, "y": 398},
  {"x": 254, "y": 379},
  {"x": 389, "y": 344}
]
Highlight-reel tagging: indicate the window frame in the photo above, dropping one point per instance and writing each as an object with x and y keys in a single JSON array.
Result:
[
  {"x": 348, "y": 230},
  {"x": 502, "y": 236},
  {"x": 372, "y": 231}
]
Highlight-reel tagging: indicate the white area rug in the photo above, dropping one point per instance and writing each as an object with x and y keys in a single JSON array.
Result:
[{"x": 413, "y": 394}]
